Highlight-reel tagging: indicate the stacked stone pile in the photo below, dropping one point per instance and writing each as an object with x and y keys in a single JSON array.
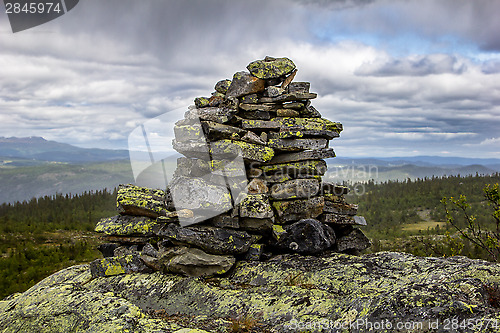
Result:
[{"x": 249, "y": 184}]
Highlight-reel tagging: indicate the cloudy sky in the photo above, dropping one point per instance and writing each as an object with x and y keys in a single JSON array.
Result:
[{"x": 405, "y": 78}]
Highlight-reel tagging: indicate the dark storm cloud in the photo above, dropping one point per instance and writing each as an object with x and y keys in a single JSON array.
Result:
[
  {"x": 415, "y": 66},
  {"x": 108, "y": 66}
]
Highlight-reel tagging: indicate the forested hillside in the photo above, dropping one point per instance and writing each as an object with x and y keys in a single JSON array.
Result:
[{"x": 43, "y": 235}]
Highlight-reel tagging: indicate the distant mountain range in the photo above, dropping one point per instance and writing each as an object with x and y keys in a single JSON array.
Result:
[
  {"x": 33, "y": 167},
  {"x": 38, "y": 149}
]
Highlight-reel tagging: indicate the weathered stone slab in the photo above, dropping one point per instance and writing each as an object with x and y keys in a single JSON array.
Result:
[
  {"x": 195, "y": 262},
  {"x": 256, "y": 225},
  {"x": 354, "y": 241},
  {"x": 125, "y": 225},
  {"x": 293, "y": 123},
  {"x": 245, "y": 84},
  {"x": 300, "y": 133},
  {"x": 294, "y": 210},
  {"x": 111, "y": 266},
  {"x": 193, "y": 149},
  {"x": 255, "y": 206},
  {"x": 258, "y": 107},
  {"x": 218, "y": 114},
  {"x": 310, "y": 112},
  {"x": 135, "y": 200},
  {"x": 249, "y": 99},
  {"x": 294, "y": 106},
  {"x": 189, "y": 132},
  {"x": 307, "y": 236},
  {"x": 294, "y": 96},
  {"x": 333, "y": 197},
  {"x": 225, "y": 221},
  {"x": 251, "y": 137},
  {"x": 255, "y": 252},
  {"x": 209, "y": 239},
  {"x": 197, "y": 194},
  {"x": 255, "y": 115},
  {"x": 342, "y": 219},
  {"x": 257, "y": 186},
  {"x": 340, "y": 208},
  {"x": 311, "y": 124},
  {"x": 222, "y": 86},
  {"x": 224, "y": 149},
  {"x": 201, "y": 102},
  {"x": 303, "y": 155},
  {"x": 107, "y": 249},
  {"x": 302, "y": 87},
  {"x": 297, "y": 144},
  {"x": 271, "y": 68},
  {"x": 216, "y": 131},
  {"x": 259, "y": 124},
  {"x": 288, "y": 80},
  {"x": 273, "y": 91},
  {"x": 249, "y": 151},
  {"x": 295, "y": 189},
  {"x": 287, "y": 113},
  {"x": 335, "y": 189},
  {"x": 126, "y": 239},
  {"x": 297, "y": 169}
]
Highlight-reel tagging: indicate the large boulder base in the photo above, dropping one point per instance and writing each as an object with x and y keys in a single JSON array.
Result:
[{"x": 275, "y": 296}]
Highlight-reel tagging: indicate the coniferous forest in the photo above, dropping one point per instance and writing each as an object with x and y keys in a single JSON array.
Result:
[{"x": 44, "y": 235}]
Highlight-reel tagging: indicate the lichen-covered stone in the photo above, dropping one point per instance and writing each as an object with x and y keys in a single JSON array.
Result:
[
  {"x": 300, "y": 133},
  {"x": 188, "y": 132},
  {"x": 249, "y": 99},
  {"x": 271, "y": 68},
  {"x": 287, "y": 113},
  {"x": 123, "y": 225},
  {"x": 257, "y": 186},
  {"x": 225, "y": 221},
  {"x": 340, "y": 208},
  {"x": 222, "y": 86},
  {"x": 297, "y": 144},
  {"x": 111, "y": 266},
  {"x": 194, "y": 262},
  {"x": 353, "y": 241},
  {"x": 249, "y": 151},
  {"x": 255, "y": 206},
  {"x": 295, "y": 189},
  {"x": 201, "y": 102},
  {"x": 304, "y": 155},
  {"x": 197, "y": 194},
  {"x": 258, "y": 225},
  {"x": 307, "y": 236},
  {"x": 342, "y": 219},
  {"x": 297, "y": 169},
  {"x": 294, "y": 210},
  {"x": 287, "y": 290},
  {"x": 218, "y": 114},
  {"x": 302, "y": 87},
  {"x": 210, "y": 239},
  {"x": 216, "y": 131},
  {"x": 135, "y": 200},
  {"x": 310, "y": 112},
  {"x": 255, "y": 252},
  {"x": 334, "y": 189},
  {"x": 295, "y": 96},
  {"x": 258, "y": 107},
  {"x": 245, "y": 84},
  {"x": 255, "y": 115},
  {"x": 273, "y": 91}
]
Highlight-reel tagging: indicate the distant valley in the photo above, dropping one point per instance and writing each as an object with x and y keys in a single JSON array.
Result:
[{"x": 34, "y": 167}]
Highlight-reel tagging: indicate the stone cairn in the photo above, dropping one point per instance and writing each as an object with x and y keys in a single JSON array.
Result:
[{"x": 249, "y": 185}]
